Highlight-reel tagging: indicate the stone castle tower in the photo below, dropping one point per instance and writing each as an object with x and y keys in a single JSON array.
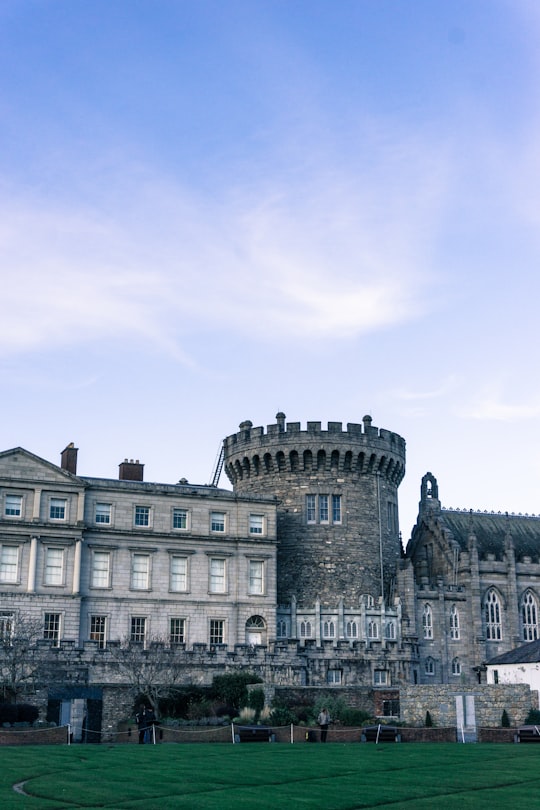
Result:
[{"x": 338, "y": 527}]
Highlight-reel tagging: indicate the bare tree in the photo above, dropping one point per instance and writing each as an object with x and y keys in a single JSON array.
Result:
[
  {"x": 22, "y": 660},
  {"x": 152, "y": 670}
]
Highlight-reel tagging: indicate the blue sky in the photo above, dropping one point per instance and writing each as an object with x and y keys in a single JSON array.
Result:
[{"x": 212, "y": 211}]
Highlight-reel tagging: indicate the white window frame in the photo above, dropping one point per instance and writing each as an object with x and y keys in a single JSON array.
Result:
[
  {"x": 180, "y": 515},
  {"x": 54, "y": 566},
  {"x": 179, "y": 635},
  {"x": 337, "y": 513},
  {"x": 52, "y": 627},
  {"x": 493, "y": 612},
  {"x": 390, "y": 630},
  {"x": 427, "y": 621},
  {"x": 257, "y": 524},
  {"x": 103, "y": 514},
  {"x": 218, "y": 522},
  {"x": 256, "y": 577},
  {"x": 306, "y": 628},
  {"x": 456, "y": 666},
  {"x": 311, "y": 508},
  {"x": 429, "y": 666},
  {"x": 179, "y": 579},
  {"x": 529, "y": 616},
  {"x": 281, "y": 628},
  {"x": 13, "y": 507},
  {"x": 100, "y": 573},
  {"x": 98, "y": 633},
  {"x": 334, "y": 677},
  {"x": 216, "y": 631},
  {"x": 9, "y": 563},
  {"x": 454, "y": 623},
  {"x": 328, "y": 628},
  {"x": 380, "y": 677},
  {"x": 138, "y": 630},
  {"x": 217, "y": 575},
  {"x": 141, "y": 511},
  {"x": 140, "y": 571},
  {"x": 324, "y": 509},
  {"x": 373, "y": 629},
  {"x": 59, "y": 507},
  {"x": 351, "y": 629}
]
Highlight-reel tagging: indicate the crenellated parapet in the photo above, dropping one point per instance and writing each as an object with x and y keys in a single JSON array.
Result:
[{"x": 360, "y": 449}]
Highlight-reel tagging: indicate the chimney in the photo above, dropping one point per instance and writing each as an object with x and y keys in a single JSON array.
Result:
[
  {"x": 131, "y": 470},
  {"x": 69, "y": 458}
]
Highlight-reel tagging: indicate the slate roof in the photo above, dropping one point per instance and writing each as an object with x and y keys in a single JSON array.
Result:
[
  {"x": 491, "y": 530},
  {"x": 526, "y": 654}
]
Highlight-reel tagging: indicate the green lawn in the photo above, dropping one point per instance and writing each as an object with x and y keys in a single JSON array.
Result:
[{"x": 271, "y": 776}]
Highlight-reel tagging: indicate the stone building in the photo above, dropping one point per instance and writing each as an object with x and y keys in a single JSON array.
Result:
[{"x": 297, "y": 574}]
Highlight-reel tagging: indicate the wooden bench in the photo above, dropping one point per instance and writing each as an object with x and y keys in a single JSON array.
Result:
[
  {"x": 380, "y": 734},
  {"x": 528, "y": 734},
  {"x": 253, "y": 734}
]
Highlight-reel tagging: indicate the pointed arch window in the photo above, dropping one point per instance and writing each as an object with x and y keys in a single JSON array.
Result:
[
  {"x": 456, "y": 666},
  {"x": 281, "y": 629},
  {"x": 454, "y": 623},
  {"x": 427, "y": 621},
  {"x": 429, "y": 666},
  {"x": 373, "y": 630},
  {"x": 329, "y": 630},
  {"x": 493, "y": 616},
  {"x": 390, "y": 630},
  {"x": 351, "y": 630},
  {"x": 529, "y": 616},
  {"x": 305, "y": 629}
]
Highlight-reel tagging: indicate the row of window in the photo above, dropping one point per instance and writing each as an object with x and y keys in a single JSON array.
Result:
[
  {"x": 430, "y": 666},
  {"x": 306, "y": 629},
  {"x": 323, "y": 509},
  {"x": 529, "y": 613},
  {"x": 54, "y": 570},
  {"x": 142, "y": 516}
]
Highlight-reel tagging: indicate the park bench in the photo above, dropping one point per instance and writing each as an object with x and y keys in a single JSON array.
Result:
[
  {"x": 528, "y": 734},
  {"x": 253, "y": 734},
  {"x": 380, "y": 734}
]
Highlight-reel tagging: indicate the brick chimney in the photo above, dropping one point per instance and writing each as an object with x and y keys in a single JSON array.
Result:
[
  {"x": 131, "y": 470},
  {"x": 69, "y": 458}
]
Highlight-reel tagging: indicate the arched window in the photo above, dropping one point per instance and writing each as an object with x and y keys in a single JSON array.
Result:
[
  {"x": 493, "y": 616},
  {"x": 305, "y": 629},
  {"x": 390, "y": 630},
  {"x": 429, "y": 666},
  {"x": 281, "y": 629},
  {"x": 427, "y": 621},
  {"x": 456, "y": 666},
  {"x": 454, "y": 623},
  {"x": 368, "y": 600},
  {"x": 529, "y": 616},
  {"x": 373, "y": 630},
  {"x": 255, "y": 630},
  {"x": 328, "y": 630},
  {"x": 351, "y": 630}
]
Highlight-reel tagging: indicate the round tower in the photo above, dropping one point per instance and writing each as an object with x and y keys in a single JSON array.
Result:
[{"x": 338, "y": 530}]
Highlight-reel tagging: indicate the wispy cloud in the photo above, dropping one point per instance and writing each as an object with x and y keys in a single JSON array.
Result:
[{"x": 495, "y": 410}]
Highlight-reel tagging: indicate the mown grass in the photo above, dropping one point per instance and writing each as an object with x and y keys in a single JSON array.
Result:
[{"x": 266, "y": 777}]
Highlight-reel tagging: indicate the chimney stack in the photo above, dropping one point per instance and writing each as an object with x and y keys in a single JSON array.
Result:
[
  {"x": 69, "y": 459},
  {"x": 131, "y": 470}
]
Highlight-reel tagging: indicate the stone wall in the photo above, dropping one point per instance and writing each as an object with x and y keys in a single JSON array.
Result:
[{"x": 490, "y": 701}]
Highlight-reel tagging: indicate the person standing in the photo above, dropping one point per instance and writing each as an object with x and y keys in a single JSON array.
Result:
[
  {"x": 142, "y": 723},
  {"x": 324, "y": 721}
]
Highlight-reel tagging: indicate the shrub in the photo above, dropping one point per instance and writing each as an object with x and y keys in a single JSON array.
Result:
[
  {"x": 429, "y": 721},
  {"x": 505, "y": 720},
  {"x": 232, "y": 688},
  {"x": 533, "y": 718},
  {"x": 256, "y": 701},
  {"x": 18, "y": 713}
]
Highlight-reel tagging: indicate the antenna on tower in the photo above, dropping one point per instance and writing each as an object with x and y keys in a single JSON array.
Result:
[{"x": 218, "y": 467}]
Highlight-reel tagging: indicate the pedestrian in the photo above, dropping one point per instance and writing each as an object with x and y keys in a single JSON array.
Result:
[
  {"x": 142, "y": 723},
  {"x": 150, "y": 720},
  {"x": 324, "y": 721}
]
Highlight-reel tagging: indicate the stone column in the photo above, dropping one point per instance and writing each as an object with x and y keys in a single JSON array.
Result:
[
  {"x": 31, "y": 585},
  {"x": 77, "y": 568}
]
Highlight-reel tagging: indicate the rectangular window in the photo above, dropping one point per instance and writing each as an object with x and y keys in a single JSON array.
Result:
[
  {"x": 217, "y": 631},
  {"x": 51, "y": 628},
  {"x": 180, "y": 518},
  {"x": 217, "y": 576},
  {"x": 142, "y": 516},
  {"x": 54, "y": 566},
  {"x": 333, "y": 676},
  {"x": 57, "y": 509},
  {"x": 103, "y": 513},
  {"x": 101, "y": 569},
  {"x": 13, "y": 506},
  {"x": 179, "y": 570},
  {"x": 311, "y": 514},
  {"x": 7, "y": 621},
  {"x": 380, "y": 677},
  {"x": 391, "y": 708},
  {"x": 217, "y": 521},
  {"x": 256, "y": 576},
  {"x": 9, "y": 563},
  {"x": 177, "y": 634},
  {"x": 97, "y": 630},
  {"x": 140, "y": 572},
  {"x": 336, "y": 508},
  {"x": 323, "y": 508},
  {"x": 256, "y": 524},
  {"x": 138, "y": 629}
]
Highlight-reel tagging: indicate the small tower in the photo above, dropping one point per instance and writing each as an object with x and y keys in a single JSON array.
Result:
[{"x": 338, "y": 527}]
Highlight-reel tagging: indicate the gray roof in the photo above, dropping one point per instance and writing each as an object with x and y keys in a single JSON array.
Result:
[
  {"x": 526, "y": 654},
  {"x": 491, "y": 530}
]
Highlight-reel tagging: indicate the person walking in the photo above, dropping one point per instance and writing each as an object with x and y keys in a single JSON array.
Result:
[
  {"x": 324, "y": 721},
  {"x": 142, "y": 723}
]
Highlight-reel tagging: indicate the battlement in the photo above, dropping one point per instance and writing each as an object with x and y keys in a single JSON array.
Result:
[{"x": 285, "y": 447}]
